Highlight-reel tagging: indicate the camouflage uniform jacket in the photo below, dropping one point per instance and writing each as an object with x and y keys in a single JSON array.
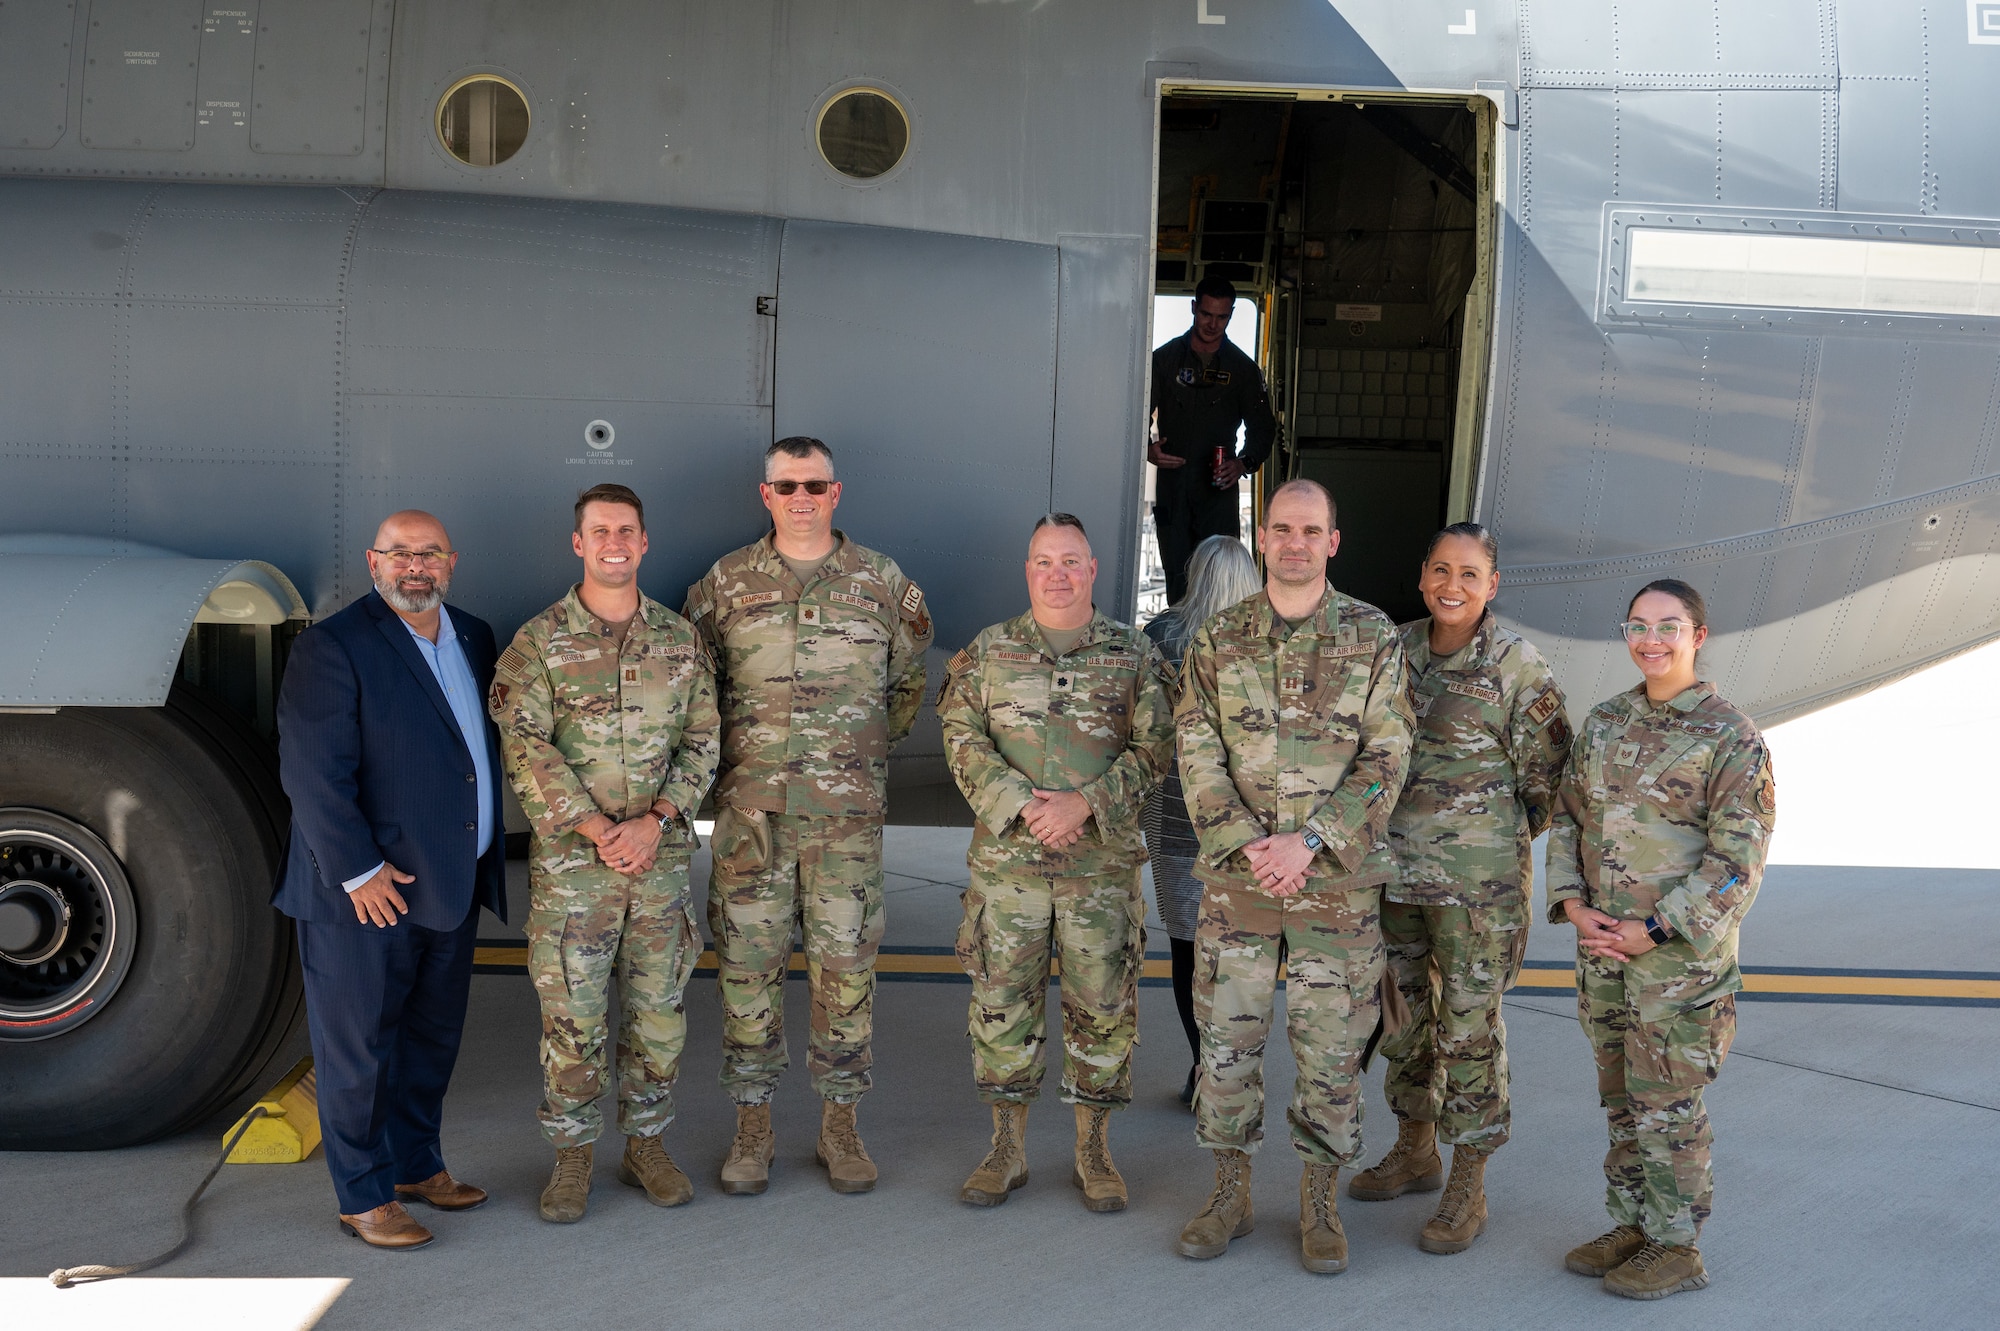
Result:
[
  {"x": 588, "y": 728},
  {"x": 1489, "y": 747},
  {"x": 1666, "y": 809},
  {"x": 818, "y": 681},
  {"x": 1285, "y": 729},
  {"x": 1097, "y": 720}
]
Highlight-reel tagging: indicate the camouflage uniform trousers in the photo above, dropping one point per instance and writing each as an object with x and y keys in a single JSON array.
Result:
[
  {"x": 1448, "y": 1066},
  {"x": 1331, "y": 946},
  {"x": 584, "y": 922},
  {"x": 775, "y": 873},
  {"x": 1014, "y": 923},
  {"x": 1650, "y": 1076}
]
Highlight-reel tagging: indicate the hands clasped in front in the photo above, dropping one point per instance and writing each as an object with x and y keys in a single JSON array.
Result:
[
  {"x": 1280, "y": 862},
  {"x": 630, "y": 847},
  {"x": 1056, "y": 817},
  {"x": 1602, "y": 936}
]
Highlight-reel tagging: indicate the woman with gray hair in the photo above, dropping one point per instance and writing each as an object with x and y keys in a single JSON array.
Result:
[{"x": 1220, "y": 573}]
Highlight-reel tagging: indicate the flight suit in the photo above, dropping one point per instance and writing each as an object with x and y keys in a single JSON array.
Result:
[
  {"x": 589, "y": 727},
  {"x": 818, "y": 682},
  {"x": 1665, "y": 809},
  {"x": 1289, "y": 728},
  {"x": 1199, "y": 408},
  {"x": 1097, "y": 720},
  {"x": 1490, "y": 741}
]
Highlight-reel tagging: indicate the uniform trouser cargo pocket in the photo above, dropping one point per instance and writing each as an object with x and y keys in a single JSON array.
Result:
[{"x": 741, "y": 842}]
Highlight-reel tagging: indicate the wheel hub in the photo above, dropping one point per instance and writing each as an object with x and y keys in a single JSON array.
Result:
[
  {"x": 66, "y": 923},
  {"x": 34, "y": 922}
]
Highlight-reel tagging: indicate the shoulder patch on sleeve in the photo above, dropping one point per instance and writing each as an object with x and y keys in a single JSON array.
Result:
[
  {"x": 514, "y": 664},
  {"x": 961, "y": 662},
  {"x": 1545, "y": 709},
  {"x": 1559, "y": 732},
  {"x": 912, "y": 603}
]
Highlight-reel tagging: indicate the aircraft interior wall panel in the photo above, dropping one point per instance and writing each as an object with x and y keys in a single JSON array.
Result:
[
  {"x": 928, "y": 363},
  {"x": 34, "y": 72},
  {"x": 141, "y": 62},
  {"x": 1101, "y": 358},
  {"x": 310, "y": 91}
]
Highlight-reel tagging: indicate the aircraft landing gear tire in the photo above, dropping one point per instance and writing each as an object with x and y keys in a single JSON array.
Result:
[{"x": 145, "y": 981}]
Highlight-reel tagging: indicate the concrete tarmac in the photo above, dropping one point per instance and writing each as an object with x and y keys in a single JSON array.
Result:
[{"x": 1857, "y": 1156}]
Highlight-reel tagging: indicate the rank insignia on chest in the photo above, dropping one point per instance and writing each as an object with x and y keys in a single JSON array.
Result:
[
  {"x": 1065, "y": 682},
  {"x": 808, "y": 614},
  {"x": 1291, "y": 684},
  {"x": 1626, "y": 755},
  {"x": 631, "y": 674}
]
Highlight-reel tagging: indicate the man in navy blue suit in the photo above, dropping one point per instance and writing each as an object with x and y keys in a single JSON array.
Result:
[{"x": 391, "y": 764}]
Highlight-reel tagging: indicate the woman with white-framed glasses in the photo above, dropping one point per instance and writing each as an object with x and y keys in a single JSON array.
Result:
[{"x": 1662, "y": 822}]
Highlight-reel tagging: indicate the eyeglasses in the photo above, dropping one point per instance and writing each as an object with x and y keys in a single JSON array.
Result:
[
  {"x": 792, "y": 487},
  {"x": 1668, "y": 632},
  {"x": 428, "y": 558}
]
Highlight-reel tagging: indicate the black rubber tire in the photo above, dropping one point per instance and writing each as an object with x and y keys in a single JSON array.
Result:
[{"x": 212, "y": 988}]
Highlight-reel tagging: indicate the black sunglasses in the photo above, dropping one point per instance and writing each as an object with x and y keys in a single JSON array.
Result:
[{"x": 791, "y": 487}]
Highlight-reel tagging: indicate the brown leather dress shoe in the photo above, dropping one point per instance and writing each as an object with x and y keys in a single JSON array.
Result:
[
  {"x": 444, "y": 1192},
  {"x": 387, "y": 1226}
]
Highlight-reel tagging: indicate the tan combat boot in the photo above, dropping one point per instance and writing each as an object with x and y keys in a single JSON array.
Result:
[
  {"x": 1655, "y": 1271},
  {"x": 1005, "y": 1167},
  {"x": 1461, "y": 1213},
  {"x": 1607, "y": 1252},
  {"x": 647, "y": 1165},
  {"x": 1227, "y": 1215},
  {"x": 748, "y": 1168},
  {"x": 1412, "y": 1165},
  {"x": 1103, "y": 1186},
  {"x": 568, "y": 1193},
  {"x": 1322, "y": 1242},
  {"x": 848, "y": 1168}
]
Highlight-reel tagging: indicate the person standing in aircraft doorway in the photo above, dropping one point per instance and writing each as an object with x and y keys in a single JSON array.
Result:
[
  {"x": 819, "y": 652},
  {"x": 1662, "y": 824},
  {"x": 1056, "y": 725},
  {"x": 1490, "y": 741},
  {"x": 1204, "y": 390}
]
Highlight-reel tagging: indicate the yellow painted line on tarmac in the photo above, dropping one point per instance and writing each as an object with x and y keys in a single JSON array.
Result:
[{"x": 1534, "y": 977}]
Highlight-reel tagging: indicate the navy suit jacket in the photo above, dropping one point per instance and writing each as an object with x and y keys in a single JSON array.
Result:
[{"x": 377, "y": 769}]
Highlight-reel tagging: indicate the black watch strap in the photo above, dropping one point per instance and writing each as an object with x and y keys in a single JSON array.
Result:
[{"x": 1657, "y": 932}]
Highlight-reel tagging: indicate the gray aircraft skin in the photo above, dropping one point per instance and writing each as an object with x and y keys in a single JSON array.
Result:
[{"x": 251, "y": 300}]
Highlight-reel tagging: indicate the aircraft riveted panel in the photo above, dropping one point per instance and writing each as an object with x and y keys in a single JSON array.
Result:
[
  {"x": 310, "y": 91},
  {"x": 140, "y": 64},
  {"x": 928, "y": 363},
  {"x": 487, "y": 337},
  {"x": 34, "y": 73}
]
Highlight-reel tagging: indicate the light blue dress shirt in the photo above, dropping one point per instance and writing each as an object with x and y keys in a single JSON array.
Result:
[{"x": 446, "y": 658}]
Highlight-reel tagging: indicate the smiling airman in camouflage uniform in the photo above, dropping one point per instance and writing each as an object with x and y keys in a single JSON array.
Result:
[
  {"x": 1490, "y": 740},
  {"x": 589, "y": 726},
  {"x": 819, "y": 680},
  {"x": 1665, "y": 812},
  {"x": 1289, "y": 728},
  {"x": 1096, "y": 719}
]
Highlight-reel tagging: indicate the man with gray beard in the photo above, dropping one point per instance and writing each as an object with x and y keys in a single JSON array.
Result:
[{"x": 392, "y": 769}]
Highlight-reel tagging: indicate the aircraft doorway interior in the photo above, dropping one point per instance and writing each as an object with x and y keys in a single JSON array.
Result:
[{"x": 1361, "y": 225}]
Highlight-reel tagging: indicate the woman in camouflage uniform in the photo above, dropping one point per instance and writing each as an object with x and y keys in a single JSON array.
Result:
[
  {"x": 1220, "y": 574},
  {"x": 1490, "y": 741},
  {"x": 1664, "y": 816}
]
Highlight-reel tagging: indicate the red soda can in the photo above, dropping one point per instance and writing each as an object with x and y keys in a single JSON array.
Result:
[{"x": 1215, "y": 472}]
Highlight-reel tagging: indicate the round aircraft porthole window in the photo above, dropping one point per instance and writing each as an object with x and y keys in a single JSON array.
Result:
[
  {"x": 863, "y": 133},
  {"x": 482, "y": 120}
]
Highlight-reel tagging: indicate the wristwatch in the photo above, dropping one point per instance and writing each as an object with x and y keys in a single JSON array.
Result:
[
  {"x": 661, "y": 818},
  {"x": 1657, "y": 932},
  {"x": 1312, "y": 840}
]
